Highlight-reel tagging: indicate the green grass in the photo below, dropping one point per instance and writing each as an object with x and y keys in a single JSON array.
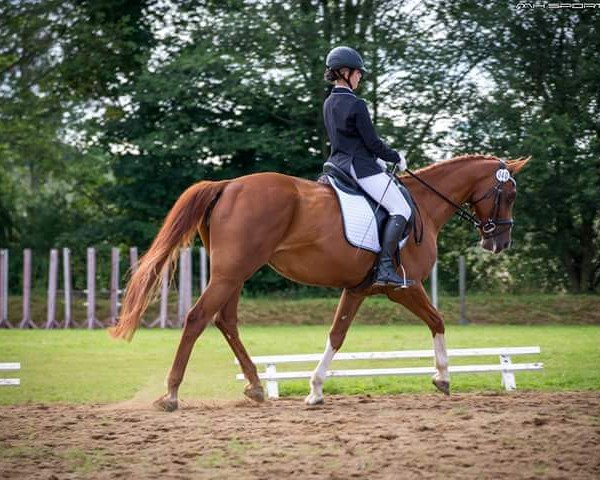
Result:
[{"x": 79, "y": 366}]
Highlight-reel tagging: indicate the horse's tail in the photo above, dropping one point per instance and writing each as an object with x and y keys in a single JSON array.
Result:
[{"x": 178, "y": 229}]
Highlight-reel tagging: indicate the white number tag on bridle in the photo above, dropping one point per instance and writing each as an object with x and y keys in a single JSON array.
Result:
[{"x": 502, "y": 174}]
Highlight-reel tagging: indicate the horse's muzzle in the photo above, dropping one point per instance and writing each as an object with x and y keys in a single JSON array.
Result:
[{"x": 498, "y": 243}]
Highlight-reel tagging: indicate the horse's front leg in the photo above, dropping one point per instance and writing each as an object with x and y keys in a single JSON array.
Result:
[
  {"x": 416, "y": 300},
  {"x": 315, "y": 397},
  {"x": 346, "y": 310},
  {"x": 441, "y": 378}
]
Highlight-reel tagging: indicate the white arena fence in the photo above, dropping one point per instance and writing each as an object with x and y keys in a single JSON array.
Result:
[
  {"x": 505, "y": 366},
  {"x": 58, "y": 277},
  {"x": 10, "y": 367}
]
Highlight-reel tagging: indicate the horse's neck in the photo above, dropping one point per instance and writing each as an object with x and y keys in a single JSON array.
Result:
[{"x": 454, "y": 181}]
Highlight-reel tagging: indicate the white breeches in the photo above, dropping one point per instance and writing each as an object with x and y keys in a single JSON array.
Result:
[{"x": 393, "y": 200}]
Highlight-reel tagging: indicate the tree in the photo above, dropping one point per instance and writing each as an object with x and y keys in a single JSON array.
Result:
[
  {"x": 60, "y": 61},
  {"x": 543, "y": 69},
  {"x": 57, "y": 61},
  {"x": 244, "y": 94}
]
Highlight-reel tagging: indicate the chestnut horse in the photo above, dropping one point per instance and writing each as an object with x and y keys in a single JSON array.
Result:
[{"x": 294, "y": 225}]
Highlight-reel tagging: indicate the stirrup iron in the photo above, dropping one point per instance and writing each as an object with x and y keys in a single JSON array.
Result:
[{"x": 406, "y": 283}]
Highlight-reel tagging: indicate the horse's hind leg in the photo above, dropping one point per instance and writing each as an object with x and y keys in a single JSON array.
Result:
[
  {"x": 346, "y": 310},
  {"x": 226, "y": 321},
  {"x": 212, "y": 300},
  {"x": 416, "y": 300}
]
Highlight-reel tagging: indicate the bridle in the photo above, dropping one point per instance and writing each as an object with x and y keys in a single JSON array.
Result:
[{"x": 489, "y": 228}]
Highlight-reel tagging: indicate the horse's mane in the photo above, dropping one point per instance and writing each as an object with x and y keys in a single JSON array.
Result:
[{"x": 455, "y": 160}]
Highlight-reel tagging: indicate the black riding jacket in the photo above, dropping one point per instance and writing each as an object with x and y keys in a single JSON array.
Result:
[{"x": 352, "y": 135}]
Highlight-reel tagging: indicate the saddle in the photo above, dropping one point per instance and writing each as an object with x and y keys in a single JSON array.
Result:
[{"x": 363, "y": 221}]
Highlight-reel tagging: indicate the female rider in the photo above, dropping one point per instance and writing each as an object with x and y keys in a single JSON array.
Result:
[{"x": 356, "y": 147}]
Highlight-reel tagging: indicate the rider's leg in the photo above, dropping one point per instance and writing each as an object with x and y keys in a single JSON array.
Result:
[{"x": 382, "y": 190}]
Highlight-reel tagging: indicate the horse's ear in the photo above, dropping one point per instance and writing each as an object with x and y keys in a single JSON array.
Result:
[{"x": 515, "y": 166}]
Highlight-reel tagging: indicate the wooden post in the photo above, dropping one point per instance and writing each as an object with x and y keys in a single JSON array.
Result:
[
  {"x": 68, "y": 285},
  {"x": 180, "y": 289},
  {"x": 4, "y": 323},
  {"x": 162, "y": 320},
  {"x": 52, "y": 284},
  {"x": 203, "y": 270},
  {"x": 133, "y": 259},
  {"x": 114, "y": 286},
  {"x": 164, "y": 299},
  {"x": 26, "y": 322},
  {"x": 185, "y": 284},
  {"x": 434, "y": 285},
  {"x": 133, "y": 265},
  {"x": 5, "y": 288},
  {"x": 508, "y": 377},
  {"x": 462, "y": 285},
  {"x": 272, "y": 385},
  {"x": 92, "y": 321},
  {"x": 189, "y": 282}
]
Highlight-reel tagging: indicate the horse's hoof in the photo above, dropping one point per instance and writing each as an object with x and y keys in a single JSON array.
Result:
[
  {"x": 314, "y": 400},
  {"x": 255, "y": 393},
  {"x": 442, "y": 385},
  {"x": 165, "y": 404}
]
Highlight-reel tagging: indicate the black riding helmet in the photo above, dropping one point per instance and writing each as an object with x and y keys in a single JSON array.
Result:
[{"x": 341, "y": 57}]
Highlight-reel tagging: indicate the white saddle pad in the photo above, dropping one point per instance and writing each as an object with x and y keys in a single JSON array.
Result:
[
  {"x": 360, "y": 224},
  {"x": 359, "y": 221}
]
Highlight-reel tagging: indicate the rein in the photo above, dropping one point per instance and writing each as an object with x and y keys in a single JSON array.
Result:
[
  {"x": 489, "y": 227},
  {"x": 461, "y": 212}
]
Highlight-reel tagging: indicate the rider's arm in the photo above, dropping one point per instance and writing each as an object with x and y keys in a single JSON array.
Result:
[{"x": 367, "y": 131}]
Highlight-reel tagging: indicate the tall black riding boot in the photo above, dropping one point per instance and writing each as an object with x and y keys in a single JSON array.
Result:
[{"x": 386, "y": 273}]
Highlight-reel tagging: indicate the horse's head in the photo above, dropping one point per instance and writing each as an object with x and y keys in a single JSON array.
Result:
[{"x": 492, "y": 201}]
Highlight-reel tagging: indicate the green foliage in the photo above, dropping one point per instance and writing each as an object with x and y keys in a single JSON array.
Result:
[
  {"x": 57, "y": 61},
  {"x": 544, "y": 73}
]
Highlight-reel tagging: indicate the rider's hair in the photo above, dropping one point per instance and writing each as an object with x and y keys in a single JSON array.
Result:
[{"x": 332, "y": 75}]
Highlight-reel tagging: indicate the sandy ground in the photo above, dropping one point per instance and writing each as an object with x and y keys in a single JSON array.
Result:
[{"x": 517, "y": 435}]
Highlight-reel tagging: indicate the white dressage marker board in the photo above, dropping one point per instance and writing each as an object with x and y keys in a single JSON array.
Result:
[
  {"x": 10, "y": 381},
  {"x": 505, "y": 366}
]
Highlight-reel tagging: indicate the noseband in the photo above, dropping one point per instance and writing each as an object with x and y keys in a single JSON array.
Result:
[{"x": 489, "y": 229}]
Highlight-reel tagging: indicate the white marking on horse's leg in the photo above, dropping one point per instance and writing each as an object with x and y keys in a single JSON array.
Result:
[
  {"x": 171, "y": 392},
  {"x": 441, "y": 358},
  {"x": 318, "y": 377}
]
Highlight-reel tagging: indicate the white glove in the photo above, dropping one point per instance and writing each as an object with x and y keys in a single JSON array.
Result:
[
  {"x": 382, "y": 164},
  {"x": 402, "y": 163}
]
